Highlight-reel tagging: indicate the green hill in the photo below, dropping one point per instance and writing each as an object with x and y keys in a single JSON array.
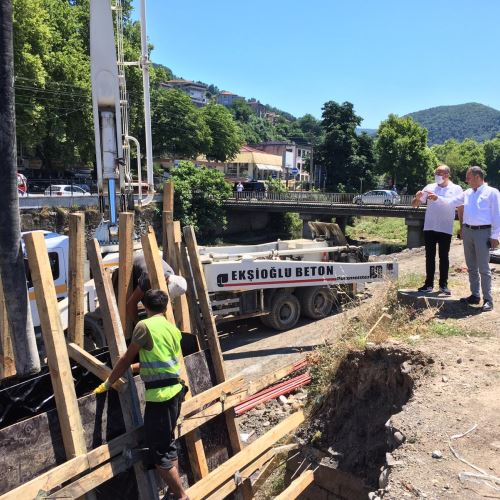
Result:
[{"x": 471, "y": 120}]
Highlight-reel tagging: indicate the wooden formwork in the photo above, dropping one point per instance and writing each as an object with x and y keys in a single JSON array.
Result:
[{"x": 101, "y": 436}]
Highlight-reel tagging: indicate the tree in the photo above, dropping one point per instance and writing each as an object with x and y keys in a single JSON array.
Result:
[
  {"x": 177, "y": 126},
  {"x": 459, "y": 156},
  {"x": 492, "y": 160},
  {"x": 403, "y": 153},
  {"x": 241, "y": 111},
  {"x": 199, "y": 199},
  {"x": 226, "y": 136},
  {"x": 11, "y": 255},
  {"x": 342, "y": 152}
]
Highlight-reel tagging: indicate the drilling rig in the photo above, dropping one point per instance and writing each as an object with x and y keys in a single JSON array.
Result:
[{"x": 110, "y": 110}]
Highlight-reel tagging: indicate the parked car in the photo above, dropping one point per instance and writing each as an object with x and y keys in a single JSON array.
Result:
[
  {"x": 65, "y": 190},
  {"x": 378, "y": 197}
]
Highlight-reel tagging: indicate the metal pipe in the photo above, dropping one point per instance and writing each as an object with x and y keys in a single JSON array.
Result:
[
  {"x": 147, "y": 105},
  {"x": 139, "y": 173},
  {"x": 283, "y": 253}
]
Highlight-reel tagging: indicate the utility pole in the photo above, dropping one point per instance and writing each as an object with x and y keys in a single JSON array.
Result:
[{"x": 11, "y": 255}]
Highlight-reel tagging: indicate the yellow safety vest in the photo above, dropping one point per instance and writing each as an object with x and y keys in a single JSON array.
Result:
[{"x": 160, "y": 368}]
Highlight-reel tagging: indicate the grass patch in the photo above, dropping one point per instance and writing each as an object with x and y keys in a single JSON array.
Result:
[{"x": 383, "y": 229}]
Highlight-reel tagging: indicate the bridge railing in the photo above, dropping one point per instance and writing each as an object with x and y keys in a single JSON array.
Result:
[{"x": 305, "y": 197}]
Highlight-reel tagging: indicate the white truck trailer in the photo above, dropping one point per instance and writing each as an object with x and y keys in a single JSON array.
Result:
[{"x": 283, "y": 280}]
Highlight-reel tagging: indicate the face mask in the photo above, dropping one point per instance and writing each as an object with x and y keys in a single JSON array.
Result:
[{"x": 439, "y": 179}]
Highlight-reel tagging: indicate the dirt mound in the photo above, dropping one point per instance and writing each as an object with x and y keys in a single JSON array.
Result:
[{"x": 350, "y": 425}]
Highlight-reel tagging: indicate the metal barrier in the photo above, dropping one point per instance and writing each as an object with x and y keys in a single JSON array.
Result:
[{"x": 307, "y": 197}]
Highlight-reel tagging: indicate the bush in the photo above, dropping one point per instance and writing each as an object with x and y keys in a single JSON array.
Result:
[{"x": 199, "y": 196}]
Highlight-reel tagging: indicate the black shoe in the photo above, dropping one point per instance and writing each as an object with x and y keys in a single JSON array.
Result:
[
  {"x": 487, "y": 306},
  {"x": 426, "y": 289},
  {"x": 444, "y": 290},
  {"x": 471, "y": 299}
]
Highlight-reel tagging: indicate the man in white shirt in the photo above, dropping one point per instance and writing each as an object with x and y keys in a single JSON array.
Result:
[
  {"x": 480, "y": 221},
  {"x": 442, "y": 197}
]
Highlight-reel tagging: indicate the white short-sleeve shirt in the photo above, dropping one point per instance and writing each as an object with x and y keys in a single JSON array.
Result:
[{"x": 440, "y": 213}]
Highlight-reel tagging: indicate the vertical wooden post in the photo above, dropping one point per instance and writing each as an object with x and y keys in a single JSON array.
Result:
[
  {"x": 182, "y": 312},
  {"x": 7, "y": 364},
  {"x": 129, "y": 400},
  {"x": 153, "y": 260},
  {"x": 194, "y": 444},
  {"x": 210, "y": 328},
  {"x": 76, "y": 295},
  {"x": 55, "y": 346},
  {"x": 126, "y": 250},
  {"x": 168, "y": 206},
  {"x": 168, "y": 196}
]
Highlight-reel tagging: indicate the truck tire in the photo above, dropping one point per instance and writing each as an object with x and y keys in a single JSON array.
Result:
[
  {"x": 93, "y": 333},
  {"x": 316, "y": 301},
  {"x": 284, "y": 311}
]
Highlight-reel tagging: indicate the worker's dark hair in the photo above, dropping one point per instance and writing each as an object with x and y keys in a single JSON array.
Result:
[
  {"x": 155, "y": 300},
  {"x": 477, "y": 171}
]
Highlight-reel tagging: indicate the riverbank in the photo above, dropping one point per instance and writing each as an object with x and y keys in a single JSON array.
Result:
[{"x": 388, "y": 230}]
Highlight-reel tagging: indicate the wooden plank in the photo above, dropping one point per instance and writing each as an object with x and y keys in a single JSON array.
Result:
[
  {"x": 153, "y": 263},
  {"x": 168, "y": 196},
  {"x": 93, "y": 365},
  {"x": 55, "y": 345},
  {"x": 209, "y": 485},
  {"x": 245, "y": 473},
  {"x": 235, "y": 384},
  {"x": 270, "y": 466},
  {"x": 7, "y": 364},
  {"x": 181, "y": 314},
  {"x": 72, "y": 468},
  {"x": 194, "y": 310},
  {"x": 76, "y": 292},
  {"x": 204, "y": 302},
  {"x": 92, "y": 480},
  {"x": 184, "y": 317},
  {"x": 129, "y": 401},
  {"x": 210, "y": 328},
  {"x": 297, "y": 486},
  {"x": 125, "y": 260},
  {"x": 194, "y": 444}
]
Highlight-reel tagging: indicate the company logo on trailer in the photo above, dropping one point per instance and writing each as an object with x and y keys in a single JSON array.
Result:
[{"x": 281, "y": 275}]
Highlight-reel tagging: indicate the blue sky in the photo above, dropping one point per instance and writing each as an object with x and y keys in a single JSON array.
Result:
[{"x": 384, "y": 56}]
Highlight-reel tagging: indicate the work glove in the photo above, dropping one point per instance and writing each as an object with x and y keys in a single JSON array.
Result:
[
  {"x": 177, "y": 285},
  {"x": 103, "y": 387}
]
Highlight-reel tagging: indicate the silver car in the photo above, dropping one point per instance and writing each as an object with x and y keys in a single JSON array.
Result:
[
  {"x": 378, "y": 197},
  {"x": 65, "y": 190}
]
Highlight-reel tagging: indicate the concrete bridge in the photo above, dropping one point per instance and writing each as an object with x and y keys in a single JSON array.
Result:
[
  {"x": 325, "y": 206},
  {"x": 310, "y": 207}
]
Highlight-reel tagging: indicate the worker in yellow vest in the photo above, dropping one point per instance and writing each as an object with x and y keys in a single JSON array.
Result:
[{"x": 158, "y": 344}]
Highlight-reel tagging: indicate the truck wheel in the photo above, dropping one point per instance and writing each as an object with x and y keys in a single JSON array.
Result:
[
  {"x": 316, "y": 301},
  {"x": 93, "y": 334},
  {"x": 284, "y": 311}
]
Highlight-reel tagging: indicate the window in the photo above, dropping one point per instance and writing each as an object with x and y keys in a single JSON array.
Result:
[
  {"x": 243, "y": 169},
  {"x": 78, "y": 190},
  {"x": 232, "y": 170},
  {"x": 67, "y": 188},
  {"x": 54, "y": 267},
  {"x": 299, "y": 152}
]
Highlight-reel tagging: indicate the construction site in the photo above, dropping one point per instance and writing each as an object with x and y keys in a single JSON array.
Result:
[{"x": 309, "y": 369}]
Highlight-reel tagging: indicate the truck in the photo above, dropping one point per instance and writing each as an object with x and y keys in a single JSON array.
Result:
[
  {"x": 279, "y": 281},
  {"x": 283, "y": 280}
]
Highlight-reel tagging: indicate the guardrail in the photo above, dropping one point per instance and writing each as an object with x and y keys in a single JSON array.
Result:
[
  {"x": 305, "y": 197},
  {"x": 40, "y": 201}
]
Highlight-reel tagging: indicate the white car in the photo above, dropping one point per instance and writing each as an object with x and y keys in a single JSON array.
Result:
[
  {"x": 378, "y": 197},
  {"x": 65, "y": 190}
]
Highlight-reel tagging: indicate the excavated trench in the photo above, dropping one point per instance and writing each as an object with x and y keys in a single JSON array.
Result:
[{"x": 350, "y": 434}]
